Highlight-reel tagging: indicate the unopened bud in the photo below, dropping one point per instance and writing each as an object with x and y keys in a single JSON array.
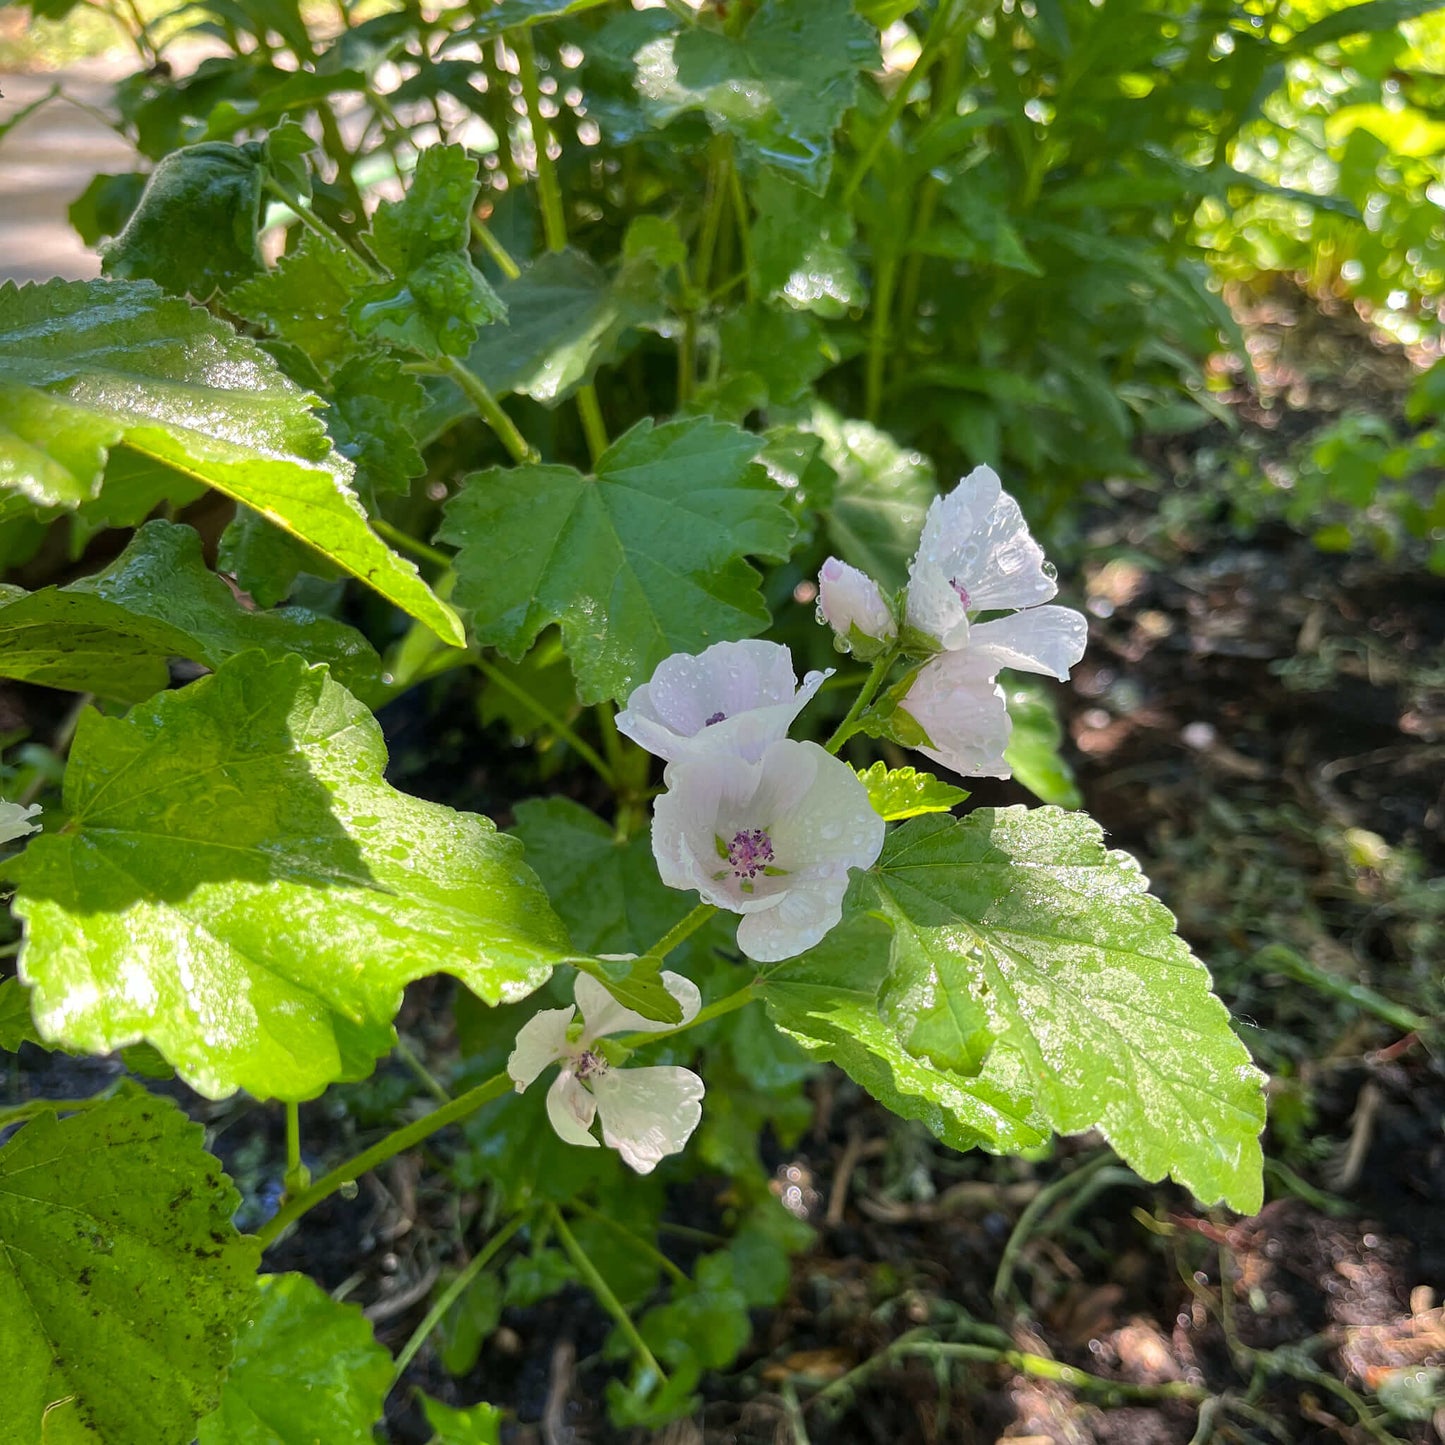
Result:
[{"x": 850, "y": 602}]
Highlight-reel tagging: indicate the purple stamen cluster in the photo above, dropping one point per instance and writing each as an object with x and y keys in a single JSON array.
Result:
[
  {"x": 750, "y": 852},
  {"x": 590, "y": 1065},
  {"x": 960, "y": 589},
  {"x": 716, "y": 718}
]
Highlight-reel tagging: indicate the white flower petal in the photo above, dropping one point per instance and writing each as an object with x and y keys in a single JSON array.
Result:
[
  {"x": 975, "y": 555},
  {"x": 734, "y": 697},
  {"x": 803, "y": 916},
  {"x": 1041, "y": 639},
  {"x": 541, "y": 1041},
  {"x": 848, "y": 599},
  {"x": 958, "y": 704},
  {"x": 15, "y": 821},
  {"x": 571, "y": 1109},
  {"x": 603, "y": 1015},
  {"x": 648, "y": 1113}
]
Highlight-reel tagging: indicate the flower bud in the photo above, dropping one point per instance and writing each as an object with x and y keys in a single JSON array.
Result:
[{"x": 850, "y": 602}]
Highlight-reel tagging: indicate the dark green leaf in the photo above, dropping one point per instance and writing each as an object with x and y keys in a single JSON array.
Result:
[
  {"x": 802, "y": 248},
  {"x": 105, "y": 205},
  {"x": 375, "y": 407},
  {"x": 1033, "y": 749},
  {"x": 122, "y": 1278},
  {"x": 237, "y": 884},
  {"x": 1375, "y": 17},
  {"x": 643, "y": 560}
]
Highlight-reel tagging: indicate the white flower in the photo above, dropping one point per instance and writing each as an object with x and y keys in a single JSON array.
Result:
[
  {"x": 772, "y": 839},
  {"x": 15, "y": 821},
  {"x": 850, "y": 602},
  {"x": 975, "y": 555},
  {"x": 647, "y": 1113},
  {"x": 735, "y": 697},
  {"x": 957, "y": 701}
]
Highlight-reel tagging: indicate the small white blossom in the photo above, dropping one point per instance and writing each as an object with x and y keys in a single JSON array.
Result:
[
  {"x": 956, "y": 698},
  {"x": 975, "y": 555},
  {"x": 850, "y": 602},
  {"x": 773, "y": 840},
  {"x": 646, "y": 1113},
  {"x": 735, "y": 697},
  {"x": 15, "y": 821}
]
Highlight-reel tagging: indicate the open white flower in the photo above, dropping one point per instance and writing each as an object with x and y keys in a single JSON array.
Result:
[
  {"x": 15, "y": 821},
  {"x": 956, "y": 698},
  {"x": 647, "y": 1113},
  {"x": 850, "y": 602},
  {"x": 735, "y": 697},
  {"x": 975, "y": 555},
  {"x": 772, "y": 839}
]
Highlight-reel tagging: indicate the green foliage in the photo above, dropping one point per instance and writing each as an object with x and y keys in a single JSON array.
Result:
[
  {"x": 16, "y": 1027},
  {"x": 898, "y": 793},
  {"x": 1033, "y": 750},
  {"x": 111, "y": 633},
  {"x": 118, "y": 1313},
  {"x": 476, "y": 1425},
  {"x": 644, "y": 559},
  {"x": 306, "y": 1368},
  {"x": 1082, "y": 976},
  {"x": 233, "y": 858},
  {"x": 195, "y": 398}
]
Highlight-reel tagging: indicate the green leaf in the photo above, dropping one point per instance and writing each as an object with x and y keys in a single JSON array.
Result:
[
  {"x": 802, "y": 248},
  {"x": 465, "y": 1326},
  {"x": 88, "y": 365},
  {"x": 303, "y": 299},
  {"x": 16, "y": 1027},
  {"x": 307, "y": 1369},
  {"x": 1375, "y": 17},
  {"x": 1033, "y": 749},
  {"x": 826, "y": 1000},
  {"x": 239, "y": 886},
  {"x": 105, "y": 205},
  {"x": 479, "y": 1424},
  {"x": 644, "y": 560},
  {"x": 565, "y": 318},
  {"x": 265, "y": 561},
  {"x": 905, "y": 792},
  {"x": 779, "y": 90},
  {"x": 522, "y": 14},
  {"x": 112, "y": 633},
  {"x": 929, "y": 1000},
  {"x": 375, "y": 406},
  {"x": 880, "y": 498},
  {"x": 122, "y": 1278},
  {"x": 1087, "y": 984},
  {"x": 435, "y": 299},
  {"x": 636, "y": 984},
  {"x": 194, "y": 227}
]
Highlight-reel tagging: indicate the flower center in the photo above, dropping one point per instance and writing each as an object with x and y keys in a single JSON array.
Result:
[
  {"x": 717, "y": 717},
  {"x": 959, "y": 588},
  {"x": 750, "y": 852},
  {"x": 590, "y": 1065}
]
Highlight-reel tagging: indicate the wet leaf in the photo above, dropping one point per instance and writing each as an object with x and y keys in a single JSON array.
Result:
[{"x": 898, "y": 793}]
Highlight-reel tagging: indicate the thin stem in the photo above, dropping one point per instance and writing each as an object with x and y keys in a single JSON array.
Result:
[
  {"x": 320, "y": 228},
  {"x": 397, "y": 1142},
  {"x": 549, "y": 192},
  {"x": 874, "y": 681},
  {"x": 452, "y": 1293},
  {"x": 682, "y": 931},
  {"x": 484, "y": 236},
  {"x": 407, "y": 543},
  {"x": 593, "y": 426},
  {"x": 641, "y": 1245},
  {"x": 740, "y": 998},
  {"x": 740, "y": 218},
  {"x": 488, "y": 408},
  {"x": 583, "y": 749},
  {"x": 59, "y": 745},
  {"x": 879, "y": 332},
  {"x": 424, "y": 1075},
  {"x": 603, "y": 1291},
  {"x": 715, "y": 199},
  {"x": 297, "y": 1175}
]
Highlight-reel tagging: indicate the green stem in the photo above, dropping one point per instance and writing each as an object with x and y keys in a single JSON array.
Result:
[
  {"x": 714, "y": 200},
  {"x": 483, "y": 235},
  {"x": 740, "y": 218},
  {"x": 1276, "y": 958},
  {"x": 297, "y": 1175},
  {"x": 407, "y": 543},
  {"x": 397, "y": 1142},
  {"x": 298, "y": 209},
  {"x": 488, "y": 408},
  {"x": 874, "y": 681},
  {"x": 452, "y": 1293},
  {"x": 932, "y": 44},
  {"x": 549, "y": 193},
  {"x": 636, "y": 1241},
  {"x": 424, "y": 1075},
  {"x": 682, "y": 931},
  {"x": 603, "y": 1291},
  {"x": 593, "y": 426},
  {"x": 740, "y": 998},
  {"x": 879, "y": 332},
  {"x": 583, "y": 749}
]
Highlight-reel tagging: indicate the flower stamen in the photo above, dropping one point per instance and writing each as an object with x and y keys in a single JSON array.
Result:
[{"x": 750, "y": 852}]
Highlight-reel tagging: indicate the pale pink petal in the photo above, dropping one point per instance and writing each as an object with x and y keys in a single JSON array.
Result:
[
  {"x": 603, "y": 1015},
  {"x": 648, "y": 1113},
  {"x": 1050, "y": 640},
  {"x": 15, "y": 821},
  {"x": 849, "y": 599},
  {"x": 737, "y": 696},
  {"x": 958, "y": 704},
  {"x": 802, "y": 917},
  {"x": 571, "y": 1109},
  {"x": 541, "y": 1041}
]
